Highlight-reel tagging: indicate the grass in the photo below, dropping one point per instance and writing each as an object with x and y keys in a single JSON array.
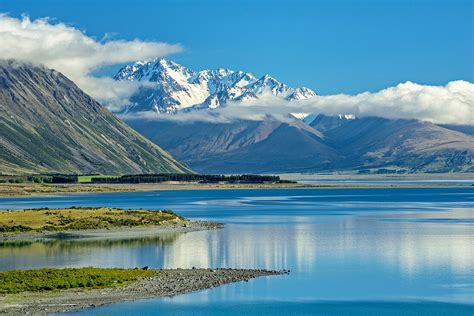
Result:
[
  {"x": 87, "y": 179},
  {"x": 80, "y": 218},
  {"x": 38, "y": 280}
]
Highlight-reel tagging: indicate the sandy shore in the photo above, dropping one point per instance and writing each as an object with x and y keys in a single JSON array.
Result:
[
  {"x": 113, "y": 233},
  {"x": 166, "y": 283}
]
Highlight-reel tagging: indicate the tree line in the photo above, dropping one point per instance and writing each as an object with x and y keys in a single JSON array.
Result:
[
  {"x": 145, "y": 178},
  {"x": 202, "y": 178}
]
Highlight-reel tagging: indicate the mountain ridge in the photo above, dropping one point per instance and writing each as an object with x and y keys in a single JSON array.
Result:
[
  {"x": 47, "y": 124},
  {"x": 329, "y": 144},
  {"x": 174, "y": 87}
]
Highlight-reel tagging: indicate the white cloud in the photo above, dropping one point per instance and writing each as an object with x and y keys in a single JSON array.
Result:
[
  {"x": 452, "y": 103},
  {"x": 75, "y": 54}
]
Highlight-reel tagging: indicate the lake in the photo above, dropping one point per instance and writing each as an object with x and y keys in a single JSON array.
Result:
[{"x": 354, "y": 251}]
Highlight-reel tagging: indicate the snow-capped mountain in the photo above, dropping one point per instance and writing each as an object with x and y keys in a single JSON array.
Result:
[{"x": 172, "y": 87}]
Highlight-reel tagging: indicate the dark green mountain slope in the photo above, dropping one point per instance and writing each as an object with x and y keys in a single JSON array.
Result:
[{"x": 47, "y": 124}]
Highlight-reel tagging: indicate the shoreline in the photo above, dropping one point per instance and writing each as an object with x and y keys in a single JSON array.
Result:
[
  {"x": 166, "y": 283},
  {"x": 110, "y": 234},
  {"x": 29, "y": 190}
]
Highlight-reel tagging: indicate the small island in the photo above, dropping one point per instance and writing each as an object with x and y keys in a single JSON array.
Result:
[
  {"x": 80, "y": 222},
  {"x": 45, "y": 291}
]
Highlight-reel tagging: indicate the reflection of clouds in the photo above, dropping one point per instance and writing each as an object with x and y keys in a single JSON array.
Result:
[
  {"x": 437, "y": 243},
  {"x": 298, "y": 243},
  {"x": 439, "y": 249},
  {"x": 418, "y": 247},
  {"x": 262, "y": 246}
]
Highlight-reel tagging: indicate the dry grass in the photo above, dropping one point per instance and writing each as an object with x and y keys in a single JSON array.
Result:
[
  {"x": 41, "y": 188},
  {"x": 81, "y": 218}
]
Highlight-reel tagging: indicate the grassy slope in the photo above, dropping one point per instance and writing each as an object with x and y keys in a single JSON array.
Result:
[
  {"x": 87, "y": 179},
  {"x": 81, "y": 218},
  {"x": 47, "y": 124}
]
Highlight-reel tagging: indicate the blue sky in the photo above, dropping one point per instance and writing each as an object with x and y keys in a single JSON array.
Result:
[{"x": 330, "y": 46}]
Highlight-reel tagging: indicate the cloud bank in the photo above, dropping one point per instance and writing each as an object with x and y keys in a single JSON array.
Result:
[
  {"x": 452, "y": 103},
  {"x": 75, "y": 54}
]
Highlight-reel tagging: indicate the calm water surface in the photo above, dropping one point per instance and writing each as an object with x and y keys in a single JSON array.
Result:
[{"x": 350, "y": 251}]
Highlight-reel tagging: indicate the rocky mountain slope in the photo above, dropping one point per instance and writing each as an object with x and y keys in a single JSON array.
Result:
[
  {"x": 315, "y": 143},
  {"x": 47, "y": 124},
  {"x": 172, "y": 87},
  {"x": 242, "y": 146},
  {"x": 411, "y": 145},
  {"x": 327, "y": 144}
]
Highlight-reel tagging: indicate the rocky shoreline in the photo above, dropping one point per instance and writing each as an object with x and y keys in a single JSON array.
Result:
[
  {"x": 113, "y": 233},
  {"x": 169, "y": 282}
]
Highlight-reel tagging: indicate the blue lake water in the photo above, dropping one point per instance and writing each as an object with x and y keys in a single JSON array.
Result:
[
  {"x": 406, "y": 251},
  {"x": 388, "y": 181}
]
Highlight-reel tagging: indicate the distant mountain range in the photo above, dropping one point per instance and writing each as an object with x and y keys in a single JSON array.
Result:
[
  {"x": 47, "y": 124},
  {"x": 370, "y": 144},
  {"x": 316, "y": 143},
  {"x": 173, "y": 87}
]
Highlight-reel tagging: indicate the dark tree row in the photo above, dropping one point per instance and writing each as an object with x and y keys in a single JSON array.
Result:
[
  {"x": 64, "y": 178},
  {"x": 202, "y": 178}
]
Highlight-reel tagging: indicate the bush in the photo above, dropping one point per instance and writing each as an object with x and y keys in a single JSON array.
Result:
[{"x": 14, "y": 229}]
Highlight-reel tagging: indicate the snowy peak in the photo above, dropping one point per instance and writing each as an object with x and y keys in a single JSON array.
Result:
[
  {"x": 243, "y": 79},
  {"x": 175, "y": 87},
  {"x": 301, "y": 94},
  {"x": 151, "y": 70},
  {"x": 270, "y": 84}
]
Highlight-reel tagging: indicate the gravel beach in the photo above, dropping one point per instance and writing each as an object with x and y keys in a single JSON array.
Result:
[{"x": 166, "y": 283}]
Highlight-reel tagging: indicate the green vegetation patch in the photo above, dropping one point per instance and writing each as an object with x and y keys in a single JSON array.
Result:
[
  {"x": 88, "y": 178},
  {"x": 81, "y": 218},
  {"x": 17, "y": 281}
]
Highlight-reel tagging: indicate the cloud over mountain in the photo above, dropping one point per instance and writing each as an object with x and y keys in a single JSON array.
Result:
[
  {"x": 452, "y": 103},
  {"x": 74, "y": 53},
  {"x": 70, "y": 51}
]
